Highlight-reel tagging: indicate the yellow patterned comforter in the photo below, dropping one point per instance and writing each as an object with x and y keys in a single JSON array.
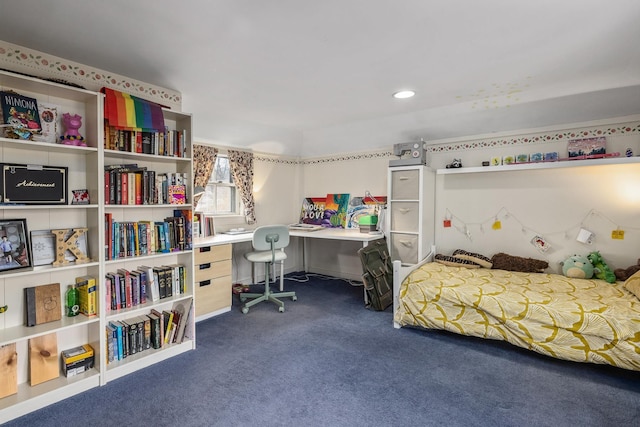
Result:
[{"x": 572, "y": 319}]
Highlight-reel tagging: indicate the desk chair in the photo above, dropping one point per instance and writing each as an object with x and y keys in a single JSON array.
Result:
[{"x": 268, "y": 243}]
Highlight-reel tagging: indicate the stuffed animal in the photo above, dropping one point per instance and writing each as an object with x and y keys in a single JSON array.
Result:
[
  {"x": 577, "y": 267},
  {"x": 503, "y": 261},
  {"x": 602, "y": 270},
  {"x": 624, "y": 273}
]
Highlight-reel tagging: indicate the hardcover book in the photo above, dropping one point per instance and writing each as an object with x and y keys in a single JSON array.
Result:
[
  {"x": 43, "y": 304},
  {"x": 20, "y": 115}
]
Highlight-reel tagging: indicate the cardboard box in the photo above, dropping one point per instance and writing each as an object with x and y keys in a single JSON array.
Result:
[
  {"x": 77, "y": 360},
  {"x": 87, "y": 290}
]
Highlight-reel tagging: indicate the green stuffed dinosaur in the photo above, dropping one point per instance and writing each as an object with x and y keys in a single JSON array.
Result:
[{"x": 602, "y": 270}]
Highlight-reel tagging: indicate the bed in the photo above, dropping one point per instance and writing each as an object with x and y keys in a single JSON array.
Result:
[{"x": 572, "y": 319}]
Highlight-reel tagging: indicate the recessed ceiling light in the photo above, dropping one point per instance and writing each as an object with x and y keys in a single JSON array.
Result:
[{"x": 403, "y": 94}]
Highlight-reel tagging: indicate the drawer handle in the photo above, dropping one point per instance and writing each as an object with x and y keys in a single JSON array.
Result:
[
  {"x": 206, "y": 249},
  {"x": 205, "y": 266},
  {"x": 404, "y": 178},
  {"x": 205, "y": 283},
  {"x": 404, "y": 210},
  {"x": 406, "y": 243}
]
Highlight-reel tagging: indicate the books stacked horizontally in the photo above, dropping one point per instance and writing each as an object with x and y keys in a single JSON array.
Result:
[{"x": 154, "y": 330}]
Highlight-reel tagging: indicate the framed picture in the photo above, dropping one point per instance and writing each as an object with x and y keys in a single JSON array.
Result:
[
  {"x": 15, "y": 250},
  {"x": 43, "y": 247}
]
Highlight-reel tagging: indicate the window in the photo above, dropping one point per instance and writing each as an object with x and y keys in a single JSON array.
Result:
[{"x": 220, "y": 197}]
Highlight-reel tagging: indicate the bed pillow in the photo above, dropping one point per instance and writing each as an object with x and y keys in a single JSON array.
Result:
[
  {"x": 481, "y": 260},
  {"x": 508, "y": 262},
  {"x": 454, "y": 261},
  {"x": 632, "y": 284}
]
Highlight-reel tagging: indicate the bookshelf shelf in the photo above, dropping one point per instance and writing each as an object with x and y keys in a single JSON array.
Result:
[
  {"x": 48, "y": 392},
  {"x": 22, "y": 332},
  {"x": 142, "y": 258},
  {"x": 148, "y": 206},
  {"x": 144, "y": 308},
  {"x": 36, "y": 145},
  {"x": 85, "y": 171},
  {"x": 116, "y": 154},
  {"x": 141, "y": 360},
  {"x": 541, "y": 165}
]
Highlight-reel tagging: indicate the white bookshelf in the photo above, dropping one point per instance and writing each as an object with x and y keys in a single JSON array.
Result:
[{"x": 85, "y": 171}]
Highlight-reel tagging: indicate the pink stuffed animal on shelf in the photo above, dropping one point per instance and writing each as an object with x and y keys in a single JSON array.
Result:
[{"x": 71, "y": 135}]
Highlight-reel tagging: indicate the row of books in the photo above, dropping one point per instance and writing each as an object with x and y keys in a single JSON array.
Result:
[
  {"x": 130, "y": 288},
  {"x": 155, "y": 330},
  {"x": 125, "y": 239},
  {"x": 205, "y": 226},
  {"x": 167, "y": 143},
  {"x": 130, "y": 184}
]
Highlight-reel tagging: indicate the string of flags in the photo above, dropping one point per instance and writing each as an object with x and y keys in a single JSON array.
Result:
[{"x": 537, "y": 239}]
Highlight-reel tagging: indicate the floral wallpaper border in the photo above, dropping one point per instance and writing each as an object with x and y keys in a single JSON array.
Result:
[
  {"x": 42, "y": 65},
  {"x": 539, "y": 138},
  {"x": 629, "y": 128}
]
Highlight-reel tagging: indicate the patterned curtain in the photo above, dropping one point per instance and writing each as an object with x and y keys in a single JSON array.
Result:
[
  {"x": 204, "y": 159},
  {"x": 241, "y": 163}
]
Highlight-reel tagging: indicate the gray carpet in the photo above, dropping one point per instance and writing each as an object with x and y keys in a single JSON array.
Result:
[{"x": 327, "y": 361}]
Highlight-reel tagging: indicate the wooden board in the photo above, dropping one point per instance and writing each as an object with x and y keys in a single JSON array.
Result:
[
  {"x": 8, "y": 370},
  {"x": 43, "y": 304},
  {"x": 43, "y": 358}
]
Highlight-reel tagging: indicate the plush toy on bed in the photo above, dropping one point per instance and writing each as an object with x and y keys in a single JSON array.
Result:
[
  {"x": 503, "y": 261},
  {"x": 602, "y": 270},
  {"x": 577, "y": 267},
  {"x": 624, "y": 273}
]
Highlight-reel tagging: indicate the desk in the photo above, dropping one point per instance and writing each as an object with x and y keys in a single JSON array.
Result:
[{"x": 326, "y": 233}]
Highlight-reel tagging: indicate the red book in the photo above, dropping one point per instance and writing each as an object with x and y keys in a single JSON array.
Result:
[
  {"x": 106, "y": 187},
  {"x": 124, "y": 199}
]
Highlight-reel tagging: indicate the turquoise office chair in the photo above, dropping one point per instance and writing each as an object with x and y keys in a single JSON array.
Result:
[{"x": 268, "y": 243}]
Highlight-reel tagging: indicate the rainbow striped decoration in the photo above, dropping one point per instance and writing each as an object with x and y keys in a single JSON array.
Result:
[{"x": 128, "y": 112}]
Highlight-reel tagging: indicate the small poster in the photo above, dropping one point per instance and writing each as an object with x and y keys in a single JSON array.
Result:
[
  {"x": 312, "y": 211},
  {"x": 335, "y": 210},
  {"x": 587, "y": 147},
  {"x": 361, "y": 206}
]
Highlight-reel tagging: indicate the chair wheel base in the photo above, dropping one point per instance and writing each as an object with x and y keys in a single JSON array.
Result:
[
  {"x": 281, "y": 309},
  {"x": 245, "y": 310}
]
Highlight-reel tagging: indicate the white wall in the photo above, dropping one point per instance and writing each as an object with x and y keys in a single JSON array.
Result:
[
  {"x": 553, "y": 203},
  {"x": 353, "y": 174}
]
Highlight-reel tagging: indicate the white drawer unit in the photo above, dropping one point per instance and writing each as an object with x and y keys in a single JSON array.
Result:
[{"x": 410, "y": 220}]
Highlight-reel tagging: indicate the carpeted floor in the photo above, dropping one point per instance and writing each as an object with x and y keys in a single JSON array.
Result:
[{"x": 328, "y": 361}]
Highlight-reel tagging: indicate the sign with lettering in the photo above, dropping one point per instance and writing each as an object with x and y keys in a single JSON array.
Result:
[{"x": 33, "y": 184}]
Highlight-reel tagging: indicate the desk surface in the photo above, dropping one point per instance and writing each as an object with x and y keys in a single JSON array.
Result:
[{"x": 325, "y": 233}]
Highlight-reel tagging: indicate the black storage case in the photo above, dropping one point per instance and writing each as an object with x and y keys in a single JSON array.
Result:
[{"x": 33, "y": 184}]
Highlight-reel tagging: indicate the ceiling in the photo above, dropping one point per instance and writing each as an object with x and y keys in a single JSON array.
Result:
[{"x": 310, "y": 78}]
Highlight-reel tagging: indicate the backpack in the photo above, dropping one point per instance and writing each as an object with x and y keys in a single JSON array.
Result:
[{"x": 377, "y": 274}]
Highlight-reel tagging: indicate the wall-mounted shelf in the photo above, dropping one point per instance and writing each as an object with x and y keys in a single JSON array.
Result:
[{"x": 541, "y": 165}]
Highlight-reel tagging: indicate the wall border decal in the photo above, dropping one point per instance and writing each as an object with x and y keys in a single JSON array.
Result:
[{"x": 44, "y": 66}]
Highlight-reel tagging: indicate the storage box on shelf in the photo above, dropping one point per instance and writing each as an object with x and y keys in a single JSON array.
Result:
[{"x": 82, "y": 164}]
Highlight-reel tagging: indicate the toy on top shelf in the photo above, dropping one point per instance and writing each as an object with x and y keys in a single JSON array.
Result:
[{"x": 71, "y": 135}]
